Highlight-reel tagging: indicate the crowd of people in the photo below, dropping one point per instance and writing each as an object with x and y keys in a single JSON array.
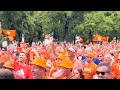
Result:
[{"x": 61, "y": 60}]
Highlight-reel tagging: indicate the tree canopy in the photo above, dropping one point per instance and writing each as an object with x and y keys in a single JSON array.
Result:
[{"x": 63, "y": 25}]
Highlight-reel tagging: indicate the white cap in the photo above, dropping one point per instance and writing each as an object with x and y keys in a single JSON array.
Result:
[{"x": 71, "y": 49}]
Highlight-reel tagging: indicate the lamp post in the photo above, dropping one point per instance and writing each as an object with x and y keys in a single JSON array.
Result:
[
  {"x": 0, "y": 26},
  {"x": 117, "y": 33}
]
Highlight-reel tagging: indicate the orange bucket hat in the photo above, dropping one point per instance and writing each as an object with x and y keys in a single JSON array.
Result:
[
  {"x": 40, "y": 62},
  {"x": 61, "y": 56},
  {"x": 66, "y": 63},
  {"x": 9, "y": 64}
]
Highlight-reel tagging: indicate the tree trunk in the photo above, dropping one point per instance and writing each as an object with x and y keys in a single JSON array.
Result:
[
  {"x": 40, "y": 33},
  {"x": 90, "y": 36},
  {"x": 66, "y": 29},
  {"x": 19, "y": 36}
]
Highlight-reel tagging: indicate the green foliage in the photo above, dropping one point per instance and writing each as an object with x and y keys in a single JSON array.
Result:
[{"x": 63, "y": 24}]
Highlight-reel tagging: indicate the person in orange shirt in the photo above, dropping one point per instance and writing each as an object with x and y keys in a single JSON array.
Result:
[
  {"x": 114, "y": 66},
  {"x": 9, "y": 65},
  {"x": 65, "y": 71},
  {"x": 38, "y": 68},
  {"x": 56, "y": 64},
  {"x": 4, "y": 56},
  {"x": 89, "y": 69},
  {"x": 59, "y": 58}
]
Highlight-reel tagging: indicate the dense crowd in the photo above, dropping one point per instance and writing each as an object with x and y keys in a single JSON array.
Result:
[{"x": 61, "y": 60}]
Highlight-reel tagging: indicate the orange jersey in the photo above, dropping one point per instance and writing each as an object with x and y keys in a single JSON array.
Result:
[
  {"x": 3, "y": 58},
  {"x": 115, "y": 70},
  {"x": 89, "y": 70}
]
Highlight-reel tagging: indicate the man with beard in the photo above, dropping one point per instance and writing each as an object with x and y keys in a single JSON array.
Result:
[
  {"x": 90, "y": 67},
  {"x": 22, "y": 70}
]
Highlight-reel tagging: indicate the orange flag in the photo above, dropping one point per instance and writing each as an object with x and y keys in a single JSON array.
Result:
[
  {"x": 10, "y": 32},
  {"x": 96, "y": 37},
  {"x": 47, "y": 36},
  {"x": 11, "y": 38},
  {"x": 0, "y": 32}
]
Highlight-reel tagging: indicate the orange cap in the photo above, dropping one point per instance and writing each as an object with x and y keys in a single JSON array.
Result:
[
  {"x": 40, "y": 62},
  {"x": 9, "y": 64},
  {"x": 61, "y": 56},
  {"x": 92, "y": 55},
  {"x": 66, "y": 63}
]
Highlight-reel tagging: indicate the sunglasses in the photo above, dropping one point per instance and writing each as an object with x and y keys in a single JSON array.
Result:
[
  {"x": 99, "y": 56},
  {"x": 118, "y": 59},
  {"x": 102, "y": 73}
]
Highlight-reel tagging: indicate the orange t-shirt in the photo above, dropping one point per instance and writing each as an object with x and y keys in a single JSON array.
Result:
[
  {"x": 3, "y": 58},
  {"x": 89, "y": 70},
  {"x": 115, "y": 70}
]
